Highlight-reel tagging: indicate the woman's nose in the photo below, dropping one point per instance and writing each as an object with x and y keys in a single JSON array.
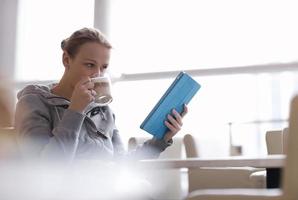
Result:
[
  {"x": 95, "y": 75},
  {"x": 97, "y": 72}
]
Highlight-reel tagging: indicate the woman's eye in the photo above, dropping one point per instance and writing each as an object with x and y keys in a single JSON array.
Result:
[
  {"x": 90, "y": 65},
  {"x": 105, "y": 67}
]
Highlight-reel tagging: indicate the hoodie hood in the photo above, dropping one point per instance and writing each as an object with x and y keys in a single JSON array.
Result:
[{"x": 45, "y": 92}]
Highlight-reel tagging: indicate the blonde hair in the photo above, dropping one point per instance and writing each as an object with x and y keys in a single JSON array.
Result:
[{"x": 72, "y": 44}]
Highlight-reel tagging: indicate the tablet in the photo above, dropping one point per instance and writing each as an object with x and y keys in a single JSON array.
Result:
[{"x": 180, "y": 92}]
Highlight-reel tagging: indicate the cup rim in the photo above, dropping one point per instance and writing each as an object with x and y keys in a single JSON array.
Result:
[
  {"x": 100, "y": 79},
  {"x": 105, "y": 103}
]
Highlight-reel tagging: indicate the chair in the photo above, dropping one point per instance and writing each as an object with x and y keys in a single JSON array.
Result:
[
  {"x": 285, "y": 135},
  {"x": 288, "y": 190},
  {"x": 8, "y": 144},
  {"x": 214, "y": 177},
  {"x": 167, "y": 184},
  {"x": 274, "y": 143}
]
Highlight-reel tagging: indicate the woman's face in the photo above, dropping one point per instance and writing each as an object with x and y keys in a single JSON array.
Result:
[{"x": 91, "y": 60}]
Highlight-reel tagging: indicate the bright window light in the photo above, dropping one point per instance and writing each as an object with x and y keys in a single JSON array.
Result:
[
  {"x": 164, "y": 35},
  {"x": 157, "y": 35},
  {"x": 42, "y": 25}
]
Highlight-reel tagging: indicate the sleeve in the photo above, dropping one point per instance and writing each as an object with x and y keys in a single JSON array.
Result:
[
  {"x": 149, "y": 150},
  {"x": 37, "y": 138}
]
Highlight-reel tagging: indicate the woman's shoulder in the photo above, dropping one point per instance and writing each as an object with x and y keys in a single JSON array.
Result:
[
  {"x": 33, "y": 94},
  {"x": 34, "y": 90}
]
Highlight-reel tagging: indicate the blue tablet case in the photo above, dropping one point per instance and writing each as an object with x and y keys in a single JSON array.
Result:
[{"x": 180, "y": 92}]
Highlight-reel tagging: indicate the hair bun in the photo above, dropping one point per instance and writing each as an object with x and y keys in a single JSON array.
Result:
[{"x": 63, "y": 43}]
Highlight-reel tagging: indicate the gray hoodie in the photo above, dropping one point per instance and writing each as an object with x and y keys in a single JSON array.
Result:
[{"x": 48, "y": 130}]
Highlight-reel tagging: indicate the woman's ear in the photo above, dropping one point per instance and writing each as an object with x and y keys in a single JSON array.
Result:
[{"x": 65, "y": 59}]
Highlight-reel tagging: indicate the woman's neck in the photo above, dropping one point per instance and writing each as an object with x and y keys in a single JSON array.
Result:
[{"x": 63, "y": 89}]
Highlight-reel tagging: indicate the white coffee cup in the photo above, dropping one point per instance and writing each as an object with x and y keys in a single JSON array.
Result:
[{"x": 102, "y": 87}]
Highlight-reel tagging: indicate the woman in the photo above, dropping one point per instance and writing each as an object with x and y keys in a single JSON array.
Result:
[{"x": 63, "y": 121}]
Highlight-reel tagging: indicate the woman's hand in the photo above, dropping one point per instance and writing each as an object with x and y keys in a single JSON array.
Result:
[
  {"x": 174, "y": 123},
  {"x": 82, "y": 95}
]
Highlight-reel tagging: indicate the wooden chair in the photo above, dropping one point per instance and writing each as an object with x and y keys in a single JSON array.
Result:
[
  {"x": 276, "y": 144},
  {"x": 288, "y": 190},
  {"x": 8, "y": 144},
  {"x": 215, "y": 177}
]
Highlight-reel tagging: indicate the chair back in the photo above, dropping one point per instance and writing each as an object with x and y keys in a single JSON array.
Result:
[
  {"x": 8, "y": 145},
  {"x": 191, "y": 149},
  {"x": 285, "y": 134},
  {"x": 274, "y": 142},
  {"x": 290, "y": 173},
  {"x": 132, "y": 143}
]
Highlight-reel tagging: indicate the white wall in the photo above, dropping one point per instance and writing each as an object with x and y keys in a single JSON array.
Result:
[
  {"x": 8, "y": 26},
  {"x": 101, "y": 10},
  {"x": 8, "y": 32}
]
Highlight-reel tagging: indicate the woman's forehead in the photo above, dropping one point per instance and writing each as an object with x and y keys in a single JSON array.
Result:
[{"x": 93, "y": 51}]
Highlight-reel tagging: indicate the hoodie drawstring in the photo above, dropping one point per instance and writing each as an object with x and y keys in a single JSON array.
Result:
[{"x": 57, "y": 113}]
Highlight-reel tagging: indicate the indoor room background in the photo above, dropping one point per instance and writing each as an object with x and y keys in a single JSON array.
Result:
[{"x": 243, "y": 53}]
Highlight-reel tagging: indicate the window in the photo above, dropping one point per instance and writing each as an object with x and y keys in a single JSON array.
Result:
[
  {"x": 165, "y": 35},
  {"x": 242, "y": 104},
  {"x": 157, "y": 36},
  {"x": 42, "y": 25}
]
